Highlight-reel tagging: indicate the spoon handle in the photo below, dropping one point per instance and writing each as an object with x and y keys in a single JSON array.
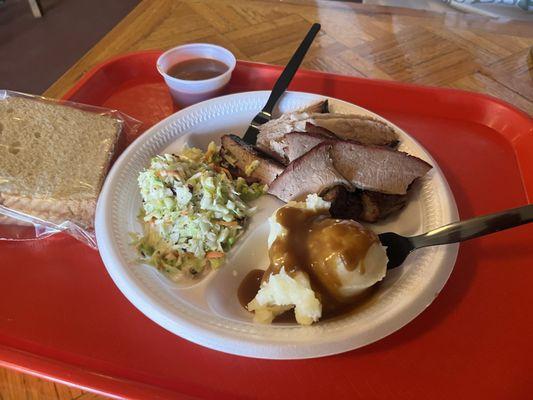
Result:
[
  {"x": 475, "y": 227},
  {"x": 291, "y": 68}
]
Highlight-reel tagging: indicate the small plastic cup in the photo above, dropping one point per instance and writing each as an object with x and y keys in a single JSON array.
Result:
[{"x": 187, "y": 92}]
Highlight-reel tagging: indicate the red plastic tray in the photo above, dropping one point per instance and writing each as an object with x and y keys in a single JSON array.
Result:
[{"x": 61, "y": 316}]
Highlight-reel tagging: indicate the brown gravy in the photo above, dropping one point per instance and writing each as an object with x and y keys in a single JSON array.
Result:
[
  {"x": 197, "y": 69},
  {"x": 312, "y": 243},
  {"x": 250, "y": 286}
]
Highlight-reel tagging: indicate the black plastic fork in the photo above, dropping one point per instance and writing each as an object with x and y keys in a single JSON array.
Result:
[
  {"x": 399, "y": 247},
  {"x": 265, "y": 115}
]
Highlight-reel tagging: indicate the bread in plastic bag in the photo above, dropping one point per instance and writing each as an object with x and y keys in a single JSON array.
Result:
[{"x": 54, "y": 156}]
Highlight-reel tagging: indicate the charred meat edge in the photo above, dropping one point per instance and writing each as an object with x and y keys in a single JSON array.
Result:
[
  {"x": 241, "y": 155},
  {"x": 363, "y": 205}
]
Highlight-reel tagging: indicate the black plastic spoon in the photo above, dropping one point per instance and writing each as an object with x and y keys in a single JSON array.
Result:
[{"x": 399, "y": 247}]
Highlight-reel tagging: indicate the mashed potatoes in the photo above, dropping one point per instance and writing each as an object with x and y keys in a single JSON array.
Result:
[
  {"x": 316, "y": 261},
  {"x": 283, "y": 292}
]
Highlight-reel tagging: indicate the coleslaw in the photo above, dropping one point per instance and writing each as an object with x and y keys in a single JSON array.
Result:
[{"x": 192, "y": 212}]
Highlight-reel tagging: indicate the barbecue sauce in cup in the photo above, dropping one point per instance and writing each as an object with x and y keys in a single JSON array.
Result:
[
  {"x": 197, "y": 69},
  {"x": 195, "y": 72}
]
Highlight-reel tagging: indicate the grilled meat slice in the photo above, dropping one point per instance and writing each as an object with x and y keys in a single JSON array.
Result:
[
  {"x": 251, "y": 164},
  {"x": 294, "y": 144},
  {"x": 359, "y": 128},
  {"x": 377, "y": 206},
  {"x": 311, "y": 173},
  {"x": 362, "y": 205},
  {"x": 345, "y": 204},
  {"x": 320, "y": 107},
  {"x": 370, "y": 168},
  {"x": 377, "y": 169},
  {"x": 313, "y": 129},
  {"x": 298, "y": 143}
]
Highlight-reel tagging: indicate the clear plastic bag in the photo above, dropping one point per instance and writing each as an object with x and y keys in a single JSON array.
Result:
[{"x": 54, "y": 156}]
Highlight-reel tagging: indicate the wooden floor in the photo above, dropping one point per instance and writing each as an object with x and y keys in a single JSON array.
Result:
[
  {"x": 447, "y": 50},
  {"x": 17, "y": 386}
]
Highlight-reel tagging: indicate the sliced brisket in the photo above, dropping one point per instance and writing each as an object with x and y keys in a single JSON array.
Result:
[
  {"x": 243, "y": 156},
  {"x": 377, "y": 169},
  {"x": 311, "y": 173},
  {"x": 358, "y": 128}
]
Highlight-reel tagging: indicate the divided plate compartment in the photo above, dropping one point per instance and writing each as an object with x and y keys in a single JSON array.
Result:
[{"x": 63, "y": 318}]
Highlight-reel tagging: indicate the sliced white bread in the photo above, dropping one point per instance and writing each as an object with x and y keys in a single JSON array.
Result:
[{"x": 53, "y": 158}]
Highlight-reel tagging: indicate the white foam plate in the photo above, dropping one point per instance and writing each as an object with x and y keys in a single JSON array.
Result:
[{"x": 209, "y": 312}]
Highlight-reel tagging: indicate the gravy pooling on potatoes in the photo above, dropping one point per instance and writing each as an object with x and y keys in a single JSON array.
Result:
[{"x": 313, "y": 243}]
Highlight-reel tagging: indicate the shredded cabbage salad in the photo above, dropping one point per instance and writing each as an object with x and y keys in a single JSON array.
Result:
[{"x": 193, "y": 211}]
